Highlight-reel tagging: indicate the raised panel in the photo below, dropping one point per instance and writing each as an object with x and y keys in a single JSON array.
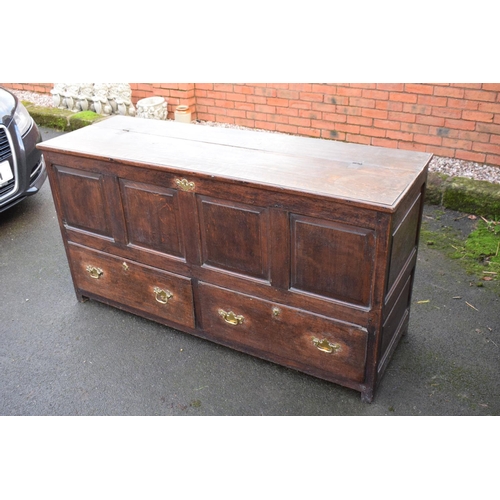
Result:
[
  {"x": 152, "y": 217},
  {"x": 234, "y": 237},
  {"x": 331, "y": 259},
  {"x": 83, "y": 200},
  {"x": 404, "y": 240}
]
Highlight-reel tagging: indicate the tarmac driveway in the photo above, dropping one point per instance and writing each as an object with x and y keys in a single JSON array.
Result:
[{"x": 62, "y": 357}]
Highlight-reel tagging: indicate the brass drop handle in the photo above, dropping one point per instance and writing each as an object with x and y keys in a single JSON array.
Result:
[
  {"x": 95, "y": 272},
  {"x": 231, "y": 318},
  {"x": 162, "y": 296},
  {"x": 326, "y": 346}
]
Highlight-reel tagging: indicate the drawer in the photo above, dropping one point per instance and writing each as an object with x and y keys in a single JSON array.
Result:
[
  {"x": 125, "y": 282},
  {"x": 298, "y": 339}
]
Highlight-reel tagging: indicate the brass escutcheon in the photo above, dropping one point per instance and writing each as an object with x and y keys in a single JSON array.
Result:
[
  {"x": 162, "y": 296},
  {"x": 231, "y": 318},
  {"x": 125, "y": 266},
  {"x": 95, "y": 272},
  {"x": 325, "y": 346},
  {"x": 276, "y": 311},
  {"x": 184, "y": 184}
]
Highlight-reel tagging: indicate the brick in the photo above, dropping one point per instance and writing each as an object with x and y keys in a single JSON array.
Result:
[
  {"x": 360, "y": 120},
  {"x": 349, "y": 110},
  {"x": 483, "y": 147},
  {"x": 399, "y": 136},
  {"x": 310, "y": 132},
  {"x": 204, "y": 86},
  {"x": 467, "y": 85},
  {"x": 462, "y": 104},
  {"x": 265, "y": 108},
  {"x": 459, "y": 124},
  {"x": 480, "y": 95},
  {"x": 244, "y": 89},
  {"x": 334, "y": 135},
  {"x": 430, "y": 120},
  {"x": 223, "y": 87},
  {"x": 375, "y": 94},
  {"x": 488, "y": 128},
  {"x": 244, "y": 123},
  {"x": 457, "y": 144},
  {"x": 449, "y": 92},
  {"x": 347, "y": 91},
  {"x": 419, "y": 88},
  {"x": 489, "y": 107},
  {"x": 307, "y": 113},
  {"x": 413, "y": 146},
  {"x": 359, "y": 139},
  {"x": 389, "y": 105},
  {"x": 256, "y": 99},
  {"x": 495, "y": 87},
  {"x": 372, "y": 132},
  {"x": 247, "y": 106},
  {"x": 470, "y": 156},
  {"x": 223, "y": 103},
  {"x": 344, "y": 127},
  {"x": 289, "y": 129},
  {"x": 387, "y": 124},
  {"x": 440, "y": 151},
  {"x": 398, "y": 87},
  {"x": 277, "y": 85},
  {"x": 447, "y": 112},
  {"x": 237, "y": 113},
  {"x": 265, "y": 125},
  {"x": 272, "y": 101},
  {"x": 322, "y": 124},
  {"x": 402, "y": 117},
  {"x": 301, "y": 87},
  {"x": 252, "y": 115},
  {"x": 361, "y": 102},
  {"x": 415, "y": 128},
  {"x": 416, "y": 109},
  {"x": 402, "y": 97},
  {"x": 321, "y": 106},
  {"x": 363, "y": 85},
  {"x": 311, "y": 96},
  {"x": 232, "y": 96},
  {"x": 473, "y": 136},
  {"x": 384, "y": 143},
  {"x": 431, "y": 100},
  {"x": 266, "y": 92},
  {"x": 374, "y": 113},
  {"x": 335, "y": 117},
  {"x": 299, "y": 122},
  {"x": 478, "y": 116},
  {"x": 428, "y": 139},
  {"x": 493, "y": 160},
  {"x": 287, "y": 94},
  {"x": 289, "y": 111},
  {"x": 300, "y": 104}
]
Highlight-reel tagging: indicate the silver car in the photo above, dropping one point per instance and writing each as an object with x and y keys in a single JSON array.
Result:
[{"x": 22, "y": 168}]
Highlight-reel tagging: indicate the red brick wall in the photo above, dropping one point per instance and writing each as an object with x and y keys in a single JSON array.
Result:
[{"x": 448, "y": 119}]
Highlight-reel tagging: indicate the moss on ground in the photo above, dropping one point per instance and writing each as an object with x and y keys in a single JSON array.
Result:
[
  {"x": 479, "y": 253},
  {"x": 61, "y": 119}
]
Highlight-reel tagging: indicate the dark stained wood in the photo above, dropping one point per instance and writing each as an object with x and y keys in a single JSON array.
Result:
[
  {"x": 311, "y": 243},
  {"x": 335, "y": 260},
  {"x": 234, "y": 237}
]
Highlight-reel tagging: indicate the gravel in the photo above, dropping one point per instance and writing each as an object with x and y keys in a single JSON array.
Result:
[{"x": 440, "y": 164}]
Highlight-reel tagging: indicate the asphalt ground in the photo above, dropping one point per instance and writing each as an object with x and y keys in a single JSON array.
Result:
[{"x": 61, "y": 357}]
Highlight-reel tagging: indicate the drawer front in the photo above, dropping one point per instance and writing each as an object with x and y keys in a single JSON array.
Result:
[
  {"x": 147, "y": 289},
  {"x": 289, "y": 336}
]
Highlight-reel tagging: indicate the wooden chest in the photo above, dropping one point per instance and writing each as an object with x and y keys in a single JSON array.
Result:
[{"x": 300, "y": 251}]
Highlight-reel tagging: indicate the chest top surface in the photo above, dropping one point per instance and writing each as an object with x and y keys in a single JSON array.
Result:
[{"x": 358, "y": 173}]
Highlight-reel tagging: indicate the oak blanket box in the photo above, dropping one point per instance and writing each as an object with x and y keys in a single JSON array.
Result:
[{"x": 297, "y": 250}]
